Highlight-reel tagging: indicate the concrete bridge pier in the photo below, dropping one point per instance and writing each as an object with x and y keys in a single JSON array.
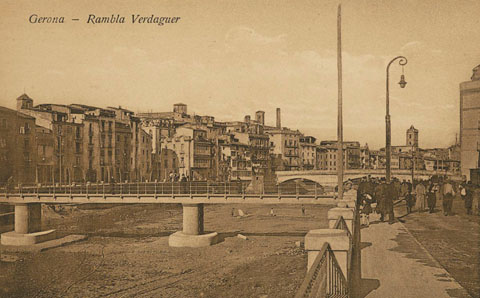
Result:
[
  {"x": 28, "y": 223},
  {"x": 193, "y": 233}
]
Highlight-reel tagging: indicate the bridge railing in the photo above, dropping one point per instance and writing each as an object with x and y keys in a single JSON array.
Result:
[
  {"x": 342, "y": 240},
  {"x": 169, "y": 188},
  {"x": 325, "y": 278}
]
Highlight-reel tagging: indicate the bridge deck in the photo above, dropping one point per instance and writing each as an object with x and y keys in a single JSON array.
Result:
[{"x": 194, "y": 192}]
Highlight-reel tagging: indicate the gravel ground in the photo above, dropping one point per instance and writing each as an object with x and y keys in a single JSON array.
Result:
[{"x": 127, "y": 254}]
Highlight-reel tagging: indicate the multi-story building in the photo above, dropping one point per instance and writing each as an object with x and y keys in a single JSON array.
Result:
[
  {"x": 470, "y": 123},
  {"x": 251, "y": 133},
  {"x": 65, "y": 122},
  {"x": 45, "y": 155},
  {"x": 18, "y": 156},
  {"x": 285, "y": 144},
  {"x": 235, "y": 159},
  {"x": 308, "y": 152},
  {"x": 328, "y": 155},
  {"x": 194, "y": 152}
]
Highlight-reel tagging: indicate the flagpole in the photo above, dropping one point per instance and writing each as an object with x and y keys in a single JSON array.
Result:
[{"x": 340, "y": 116}]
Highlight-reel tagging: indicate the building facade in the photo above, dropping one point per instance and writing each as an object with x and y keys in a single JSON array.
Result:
[{"x": 470, "y": 123}]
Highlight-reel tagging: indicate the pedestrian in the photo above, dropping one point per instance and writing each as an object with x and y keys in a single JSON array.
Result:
[
  {"x": 420, "y": 197},
  {"x": 303, "y": 210},
  {"x": 410, "y": 201},
  {"x": 366, "y": 209},
  {"x": 432, "y": 196},
  {"x": 272, "y": 213},
  {"x": 233, "y": 212},
  {"x": 362, "y": 188},
  {"x": 448, "y": 194},
  {"x": 466, "y": 195}
]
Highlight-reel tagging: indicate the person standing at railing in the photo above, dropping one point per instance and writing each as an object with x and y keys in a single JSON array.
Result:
[
  {"x": 183, "y": 183},
  {"x": 380, "y": 199}
]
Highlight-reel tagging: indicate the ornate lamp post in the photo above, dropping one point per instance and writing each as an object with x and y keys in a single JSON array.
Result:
[{"x": 402, "y": 61}]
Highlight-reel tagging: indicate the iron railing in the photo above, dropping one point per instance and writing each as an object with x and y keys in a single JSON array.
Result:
[
  {"x": 325, "y": 278},
  {"x": 174, "y": 188}
]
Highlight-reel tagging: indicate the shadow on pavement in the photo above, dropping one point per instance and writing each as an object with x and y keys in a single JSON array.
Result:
[
  {"x": 366, "y": 286},
  {"x": 365, "y": 244}
]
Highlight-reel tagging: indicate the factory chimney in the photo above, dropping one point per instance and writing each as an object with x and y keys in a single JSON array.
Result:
[{"x": 279, "y": 123}]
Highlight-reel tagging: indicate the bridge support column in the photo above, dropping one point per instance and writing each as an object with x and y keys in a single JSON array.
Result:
[
  {"x": 28, "y": 223},
  {"x": 339, "y": 242},
  {"x": 193, "y": 233}
]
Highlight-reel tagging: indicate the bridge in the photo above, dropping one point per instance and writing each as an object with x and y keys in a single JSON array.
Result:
[
  {"x": 329, "y": 178},
  {"x": 27, "y": 200}
]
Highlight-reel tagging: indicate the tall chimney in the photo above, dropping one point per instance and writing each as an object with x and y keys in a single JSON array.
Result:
[{"x": 279, "y": 123}]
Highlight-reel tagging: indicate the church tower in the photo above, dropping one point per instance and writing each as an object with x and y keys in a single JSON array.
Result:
[
  {"x": 24, "y": 102},
  {"x": 412, "y": 137}
]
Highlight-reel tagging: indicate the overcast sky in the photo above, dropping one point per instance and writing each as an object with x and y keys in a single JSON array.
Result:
[{"x": 231, "y": 58}]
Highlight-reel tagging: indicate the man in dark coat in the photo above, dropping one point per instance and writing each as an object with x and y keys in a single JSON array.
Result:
[{"x": 362, "y": 187}]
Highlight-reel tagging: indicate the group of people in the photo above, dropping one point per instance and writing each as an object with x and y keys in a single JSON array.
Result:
[{"x": 421, "y": 196}]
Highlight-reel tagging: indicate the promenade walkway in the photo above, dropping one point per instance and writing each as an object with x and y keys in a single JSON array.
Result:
[{"x": 396, "y": 265}]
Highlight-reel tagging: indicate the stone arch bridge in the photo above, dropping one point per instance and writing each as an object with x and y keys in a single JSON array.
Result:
[{"x": 329, "y": 178}]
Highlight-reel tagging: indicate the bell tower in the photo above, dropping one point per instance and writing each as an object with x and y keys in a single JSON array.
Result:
[
  {"x": 24, "y": 102},
  {"x": 412, "y": 137}
]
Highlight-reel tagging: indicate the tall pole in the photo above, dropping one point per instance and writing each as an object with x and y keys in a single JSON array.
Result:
[
  {"x": 388, "y": 132},
  {"x": 413, "y": 164},
  {"x": 340, "y": 118}
]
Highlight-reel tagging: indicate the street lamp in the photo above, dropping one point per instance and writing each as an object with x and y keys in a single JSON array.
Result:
[{"x": 402, "y": 61}]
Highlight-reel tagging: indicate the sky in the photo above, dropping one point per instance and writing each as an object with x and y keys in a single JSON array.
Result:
[{"x": 229, "y": 59}]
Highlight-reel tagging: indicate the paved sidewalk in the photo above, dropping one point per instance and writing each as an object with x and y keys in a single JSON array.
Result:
[{"x": 396, "y": 265}]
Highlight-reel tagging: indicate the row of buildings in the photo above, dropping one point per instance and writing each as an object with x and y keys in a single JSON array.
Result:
[{"x": 53, "y": 143}]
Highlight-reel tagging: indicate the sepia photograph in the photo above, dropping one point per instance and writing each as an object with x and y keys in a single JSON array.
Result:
[{"x": 254, "y": 148}]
